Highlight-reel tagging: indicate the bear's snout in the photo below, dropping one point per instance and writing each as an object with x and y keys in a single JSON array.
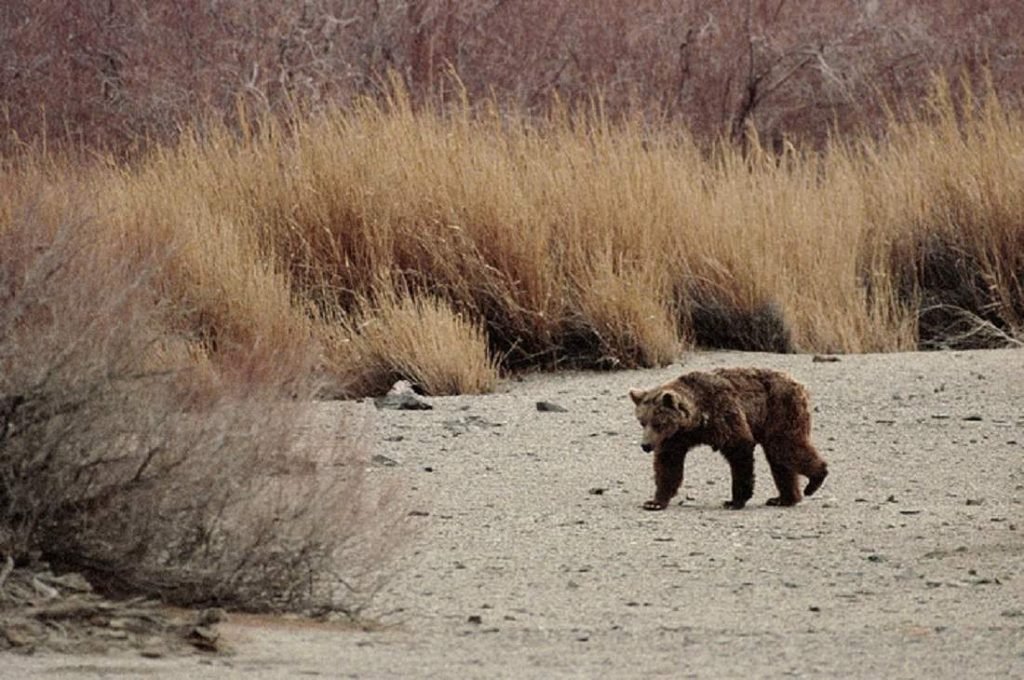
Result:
[{"x": 647, "y": 448}]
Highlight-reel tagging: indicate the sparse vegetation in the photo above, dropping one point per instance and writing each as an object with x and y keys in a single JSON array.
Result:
[{"x": 130, "y": 463}]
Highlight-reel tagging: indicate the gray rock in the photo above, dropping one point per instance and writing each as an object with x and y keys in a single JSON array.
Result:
[
  {"x": 402, "y": 402},
  {"x": 401, "y": 387},
  {"x": 459, "y": 426},
  {"x": 383, "y": 461}
]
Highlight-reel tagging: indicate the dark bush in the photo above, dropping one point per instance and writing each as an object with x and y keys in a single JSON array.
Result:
[{"x": 719, "y": 323}]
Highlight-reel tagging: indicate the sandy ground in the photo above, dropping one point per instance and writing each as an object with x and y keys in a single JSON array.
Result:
[{"x": 532, "y": 557}]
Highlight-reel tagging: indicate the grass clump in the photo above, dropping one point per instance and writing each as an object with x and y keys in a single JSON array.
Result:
[{"x": 419, "y": 339}]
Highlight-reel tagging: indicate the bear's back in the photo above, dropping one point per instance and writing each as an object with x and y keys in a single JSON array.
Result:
[{"x": 771, "y": 401}]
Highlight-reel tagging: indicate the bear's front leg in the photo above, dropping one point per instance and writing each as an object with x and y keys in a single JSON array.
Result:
[
  {"x": 668, "y": 477},
  {"x": 741, "y": 463}
]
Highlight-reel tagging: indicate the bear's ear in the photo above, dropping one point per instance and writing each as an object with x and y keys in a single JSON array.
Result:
[
  {"x": 669, "y": 400},
  {"x": 637, "y": 395}
]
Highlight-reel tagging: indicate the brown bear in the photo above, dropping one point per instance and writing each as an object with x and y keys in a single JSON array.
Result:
[{"x": 731, "y": 410}]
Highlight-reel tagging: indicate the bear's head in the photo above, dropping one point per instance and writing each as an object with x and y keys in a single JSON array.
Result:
[{"x": 662, "y": 413}]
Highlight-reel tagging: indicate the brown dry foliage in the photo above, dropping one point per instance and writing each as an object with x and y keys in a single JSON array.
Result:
[
  {"x": 118, "y": 460},
  {"x": 109, "y": 72}
]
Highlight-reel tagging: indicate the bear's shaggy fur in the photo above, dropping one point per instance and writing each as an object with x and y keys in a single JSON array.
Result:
[{"x": 731, "y": 410}]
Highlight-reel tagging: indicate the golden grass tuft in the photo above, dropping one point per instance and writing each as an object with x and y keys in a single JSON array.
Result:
[
  {"x": 626, "y": 318},
  {"x": 419, "y": 339}
]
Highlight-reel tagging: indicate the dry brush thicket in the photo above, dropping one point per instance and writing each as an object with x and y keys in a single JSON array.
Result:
[
  {"x": 127, "y": 457},
  {"x": 110, "y": 72}
]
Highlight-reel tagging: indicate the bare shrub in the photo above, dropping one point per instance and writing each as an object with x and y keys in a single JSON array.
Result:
[
  {"x": 110, "y": 465},
  {"x": 951, "y": 327},
  {"x": 960, "y": 302},
  {"x": 723, "y": 324},
  {"x": 116, "y": 72}
]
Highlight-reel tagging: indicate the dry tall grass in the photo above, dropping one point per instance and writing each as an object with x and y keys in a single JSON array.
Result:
[
  {"x": 513, "y": 242},
  {"x": 403, "y": 337},
  {"x": 944, "y": 198}
]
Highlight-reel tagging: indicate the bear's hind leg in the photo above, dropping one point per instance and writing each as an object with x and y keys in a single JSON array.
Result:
[
  {"x": 815, "y": 480},
  {"x": 811, "y": 465},
  {"x": 786, "y": 482}
]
